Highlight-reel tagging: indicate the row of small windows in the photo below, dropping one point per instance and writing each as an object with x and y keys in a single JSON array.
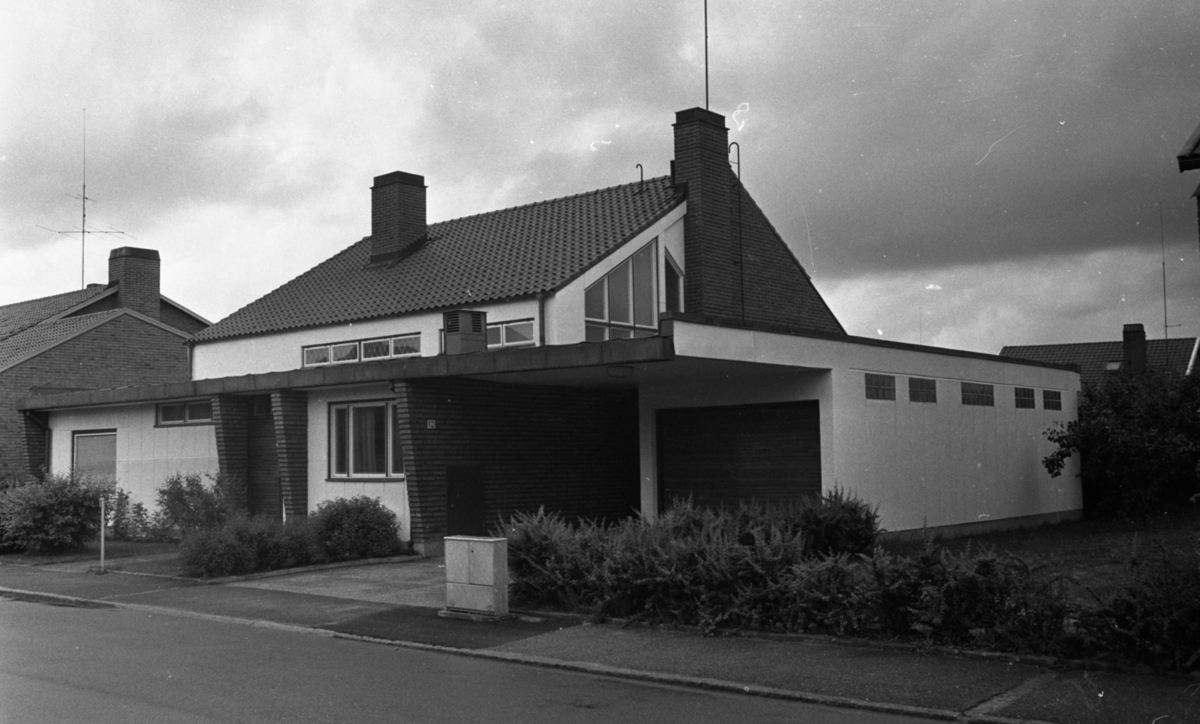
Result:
[
  {"x": 517, "y": 333},
  {"x": 920, "y": 389}
]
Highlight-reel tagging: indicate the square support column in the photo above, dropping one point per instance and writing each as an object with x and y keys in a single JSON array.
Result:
[
  {"x": 231, "y": 417},
  {"x": 289, "y": 410}
]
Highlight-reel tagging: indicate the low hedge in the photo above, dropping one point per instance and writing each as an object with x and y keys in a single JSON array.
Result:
[
  {"x": 340, "y": 529},
  {"x": 759, "y": 568}
]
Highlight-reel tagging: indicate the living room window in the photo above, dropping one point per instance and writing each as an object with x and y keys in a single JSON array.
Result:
[
  {"x": 622, "y": 304},
  {"x": 517, "y": 333},
  {"x": 364, "y": 441},
  {"x": 191, "y": 412},
  {"x": 94, "y": 454}
]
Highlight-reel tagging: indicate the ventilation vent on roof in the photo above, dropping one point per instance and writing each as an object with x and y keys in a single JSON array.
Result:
[{"x": 465, "y": 331}]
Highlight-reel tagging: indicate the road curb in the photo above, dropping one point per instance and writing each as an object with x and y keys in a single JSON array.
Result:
[{"x": 54, "y": 598}]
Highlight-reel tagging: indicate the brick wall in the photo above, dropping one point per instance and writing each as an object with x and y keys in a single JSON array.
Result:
[
  {"x": 289, "y": 413},
  {"x": 231, "y": 420},
  {"x": 263, "y": 460},
  {"x": 721, "y": 237},
  {"x": 397, "y": 213},
  {"x": 572, "y": 451},
  {"x": 124, "y": 351},
  {"x": 172, "y": 317},
  {"x": 136, "y": 274}
]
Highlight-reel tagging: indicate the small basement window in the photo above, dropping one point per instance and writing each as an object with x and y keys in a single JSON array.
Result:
[
  {"x": 974, "y": 393},
  {"x": 922, "y": 390},
  {"x": 192, "y": 412},
  {"x": 1051, "y": 400},
  {"x": 1024, "y": 398},
  {"x": 881, "y": 387}
]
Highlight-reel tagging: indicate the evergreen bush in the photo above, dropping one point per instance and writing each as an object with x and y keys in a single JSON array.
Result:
[
  {"x": 359, "y": 527},
  {"x": 55, "y": 514}
]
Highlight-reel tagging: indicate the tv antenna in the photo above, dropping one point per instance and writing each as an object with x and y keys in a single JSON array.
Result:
[
  {"x": 83, "y": 230},
  {"x": 1162, "y": 238},
  {"x": 706, "y": 55}
]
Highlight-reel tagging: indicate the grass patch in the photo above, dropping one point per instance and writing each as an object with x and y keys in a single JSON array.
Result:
[{"x": 114, "y": 552}]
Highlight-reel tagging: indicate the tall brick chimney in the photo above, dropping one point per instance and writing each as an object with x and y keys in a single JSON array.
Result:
[
  {"x": 397, "y": 214},
  {"x": 135, "y": 274},
  {"x": 712, "y": 284},
  {"x": 1133, "y": 340}
]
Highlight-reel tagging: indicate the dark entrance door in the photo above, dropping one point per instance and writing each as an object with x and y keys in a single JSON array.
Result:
[
  {"x": 720, "y": 455},
  {"x": 465, "y": 512}
]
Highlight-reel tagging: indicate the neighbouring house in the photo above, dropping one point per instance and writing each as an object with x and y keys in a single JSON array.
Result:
[
  {"x": 119, "y": 334},
  {"x": 598, "y": 355},
  {"x": 1133, "y": 354}
]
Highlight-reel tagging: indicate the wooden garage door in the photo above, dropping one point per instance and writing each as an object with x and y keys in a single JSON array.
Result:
[{"x": 719, "y": 455}]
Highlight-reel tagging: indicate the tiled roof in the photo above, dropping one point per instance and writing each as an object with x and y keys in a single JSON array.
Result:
[
  {"x": 15, "y": 318},
  {"x": 1169, "y": 355},
  {"x": 504, "y": 254},
  {"x": 1189, "y": 156},
  {"x": 40, "y": 336}
]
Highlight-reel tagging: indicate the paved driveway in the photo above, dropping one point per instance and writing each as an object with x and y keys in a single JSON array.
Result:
[{"x": 417, "y": 582}]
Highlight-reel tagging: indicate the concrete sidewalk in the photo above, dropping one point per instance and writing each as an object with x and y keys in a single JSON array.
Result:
[{"x": 397, "y": 602}]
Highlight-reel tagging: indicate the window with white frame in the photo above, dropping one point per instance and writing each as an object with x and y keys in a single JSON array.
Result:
[
  {"x": 364, "y": 441},
  {"x": 515, "y": 333},
  {"x": 363, "y": 350},
  {"x": 672, "y": 284},
  {"x": 190, "y": 412},
  {"x": 623, "y": 304},
  {"x": 94, "y": 454}
]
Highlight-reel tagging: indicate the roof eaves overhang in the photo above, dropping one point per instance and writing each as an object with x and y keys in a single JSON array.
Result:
[{"x": 530, "y": 359}]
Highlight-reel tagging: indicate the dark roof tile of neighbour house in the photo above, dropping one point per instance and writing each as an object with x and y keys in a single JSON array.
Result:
[
  {"x": 16, "y": 318},
  {"x": 505, "y": 254},
  {"x": 1092, "y": 358},
  {"x": 1189, "y": 156},
  {"x": 47, "y": 334}
]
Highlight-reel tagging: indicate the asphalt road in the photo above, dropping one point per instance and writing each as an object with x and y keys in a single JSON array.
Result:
[{"x": 60, "y": 664}]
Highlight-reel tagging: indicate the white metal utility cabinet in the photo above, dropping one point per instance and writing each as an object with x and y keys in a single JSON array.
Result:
[{"x": 476, "y": 578}]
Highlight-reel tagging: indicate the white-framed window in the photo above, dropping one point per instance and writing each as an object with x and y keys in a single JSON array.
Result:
[
  {"x": 94, "y": 453},
  {"x": 515, "y": 333},
  {"x": 364, "y": 441},
  {"x": 188, "y": 412},
  {"x": 622, "y": 304},
  {"x": 363, "y": 350}
]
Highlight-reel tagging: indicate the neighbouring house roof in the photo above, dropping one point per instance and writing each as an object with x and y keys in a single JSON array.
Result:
[
  {"x": 40, "y": 337},
  {"x": 16, "y": 318},
  {"x": 505, "y": 254},
  {"x": 1174, "y": 356},
  {"x": 1189, "y": 156}
]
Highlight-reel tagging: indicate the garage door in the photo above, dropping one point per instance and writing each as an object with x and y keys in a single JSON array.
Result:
[{"x": 720, "y": 455}]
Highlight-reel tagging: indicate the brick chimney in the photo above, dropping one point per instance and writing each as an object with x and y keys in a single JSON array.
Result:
[
  {"x": 1133, "y": 339},
  {"x": 711, "y": 285},
  {"x": 135, "y": 274},
  {"x": 397, "y": 214}
]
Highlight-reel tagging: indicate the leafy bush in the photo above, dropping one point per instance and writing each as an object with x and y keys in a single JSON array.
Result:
[
  {"x": 131, "y": 521},
  {"x": 359, "y": 527},
  {"x": 1138, "y": 437},
  {"x": 247, "y": 545},
  {"x": 59, "y": 513},
  {"x": 1155, "y": 618},
  {"x": 186, "y": 504}
]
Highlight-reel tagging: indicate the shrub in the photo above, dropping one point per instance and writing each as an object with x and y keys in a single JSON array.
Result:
[
  {"x": 1138, "y": 437},
  {"x": 247, "y": 545},
  {"x": 359, "y": 527},
  {"x": 59, "y": 513},
  {"x": 130, "y": 521},
  {"x": 185, "y": 503}
]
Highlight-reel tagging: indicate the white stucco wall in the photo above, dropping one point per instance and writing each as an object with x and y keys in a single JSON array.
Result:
[
  {"x": 923, "y": 464},
  {"x": 393, "y": 494},
  {"x": 146, "y": 455},
  {"x": 282, "y": 351}
]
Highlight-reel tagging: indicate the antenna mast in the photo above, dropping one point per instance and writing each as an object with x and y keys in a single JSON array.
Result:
[
  {"x": 1162, "y": 238},
  {"x": 83, "y": 230},
  {"x": 706, "y": 55}
]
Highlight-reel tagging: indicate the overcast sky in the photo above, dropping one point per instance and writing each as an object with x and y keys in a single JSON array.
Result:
[{"x": 966, "y": 174}]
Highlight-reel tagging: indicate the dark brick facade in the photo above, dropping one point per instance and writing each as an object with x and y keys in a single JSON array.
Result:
[
  {"x": 231, "y": 423},
  {"x": 123, "y": 351},
  {"x": 289, "y": 413},
  {"x": 738, "y": 267},
  {"x": 397, "y": 213},
  {"x": 572, "y": 451}
]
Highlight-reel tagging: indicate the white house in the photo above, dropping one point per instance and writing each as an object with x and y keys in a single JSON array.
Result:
[{"x": 597, "y": 354}]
